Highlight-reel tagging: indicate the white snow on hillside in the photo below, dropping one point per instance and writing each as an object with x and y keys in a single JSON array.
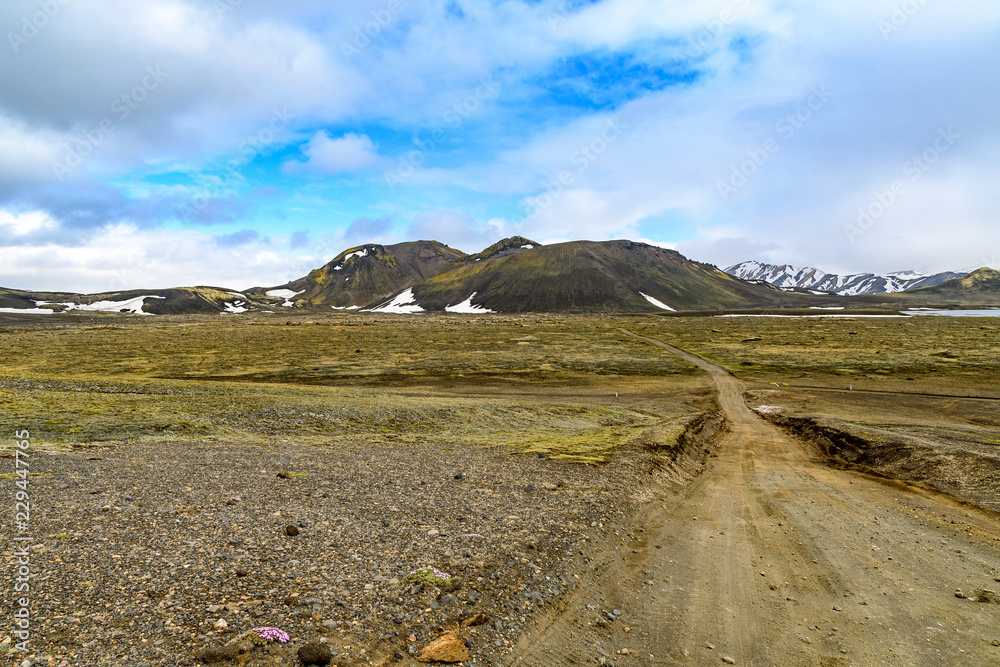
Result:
[
  {"x": 285, "y": 294},
  {"x": 403, "y": 303},
  {"x": 357, "y": 253},
  {"x": 467, "y": 307},
  {"x": 131, "y": 305},
  {"x": 657, "y": 302}
]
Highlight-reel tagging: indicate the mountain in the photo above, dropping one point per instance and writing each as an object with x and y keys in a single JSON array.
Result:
[
  {"x": 364, "y": 274},
  {"x": 584, "y": 276},
  {"x": 981, "y": 287},
  {"x": 787, "y": 277},
  {"x": 176, "y": 300}
]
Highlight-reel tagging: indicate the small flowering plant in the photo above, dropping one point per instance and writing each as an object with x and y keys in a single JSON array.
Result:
[
  {"x": 264, "y": 636},
  {"x": 428, "y": 575}
]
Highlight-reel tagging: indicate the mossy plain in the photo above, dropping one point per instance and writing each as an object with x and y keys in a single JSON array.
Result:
[{"x": 533, "y": 384}]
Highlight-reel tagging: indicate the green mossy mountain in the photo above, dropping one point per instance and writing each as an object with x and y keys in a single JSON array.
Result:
[
  {"x": 368, "y": 273},
  {"x": 981, "y": 287},
  {"x": 587, "y": 276}
]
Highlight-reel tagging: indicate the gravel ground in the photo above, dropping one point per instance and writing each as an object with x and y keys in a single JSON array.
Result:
[{"x": 140, "y": 548}]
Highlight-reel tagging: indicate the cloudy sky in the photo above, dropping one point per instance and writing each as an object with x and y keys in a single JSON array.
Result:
[{"x": 153, "y": 143}]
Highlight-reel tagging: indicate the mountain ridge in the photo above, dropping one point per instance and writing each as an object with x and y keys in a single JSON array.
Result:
[
  {"x": 786, "y": 276},
  {"x": 516, "y": 275}
]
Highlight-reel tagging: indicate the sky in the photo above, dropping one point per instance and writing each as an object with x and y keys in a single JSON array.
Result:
[{"x": 239, "y": 143}]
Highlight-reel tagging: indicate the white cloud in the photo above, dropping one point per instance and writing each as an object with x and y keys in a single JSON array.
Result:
[
  {"x": 346, "y": 154},
  {"x": 124, "y": 257},
  {"x": 24, "y": 223}
]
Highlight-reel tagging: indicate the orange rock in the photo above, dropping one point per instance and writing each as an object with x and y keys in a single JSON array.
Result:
[{"x": 446, "y": 648}]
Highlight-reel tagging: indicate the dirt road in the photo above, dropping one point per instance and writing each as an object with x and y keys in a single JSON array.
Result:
[{"x": 772, "y": 558}]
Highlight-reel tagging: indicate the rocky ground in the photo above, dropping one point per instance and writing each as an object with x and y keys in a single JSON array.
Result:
[{"x": 140, "y": 549}]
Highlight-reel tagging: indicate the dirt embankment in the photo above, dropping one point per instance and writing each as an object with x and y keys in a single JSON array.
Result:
[{"x": 943, "y": 464}]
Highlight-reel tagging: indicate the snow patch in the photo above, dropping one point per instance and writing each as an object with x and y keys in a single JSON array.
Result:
[
  {"x": 467, "y": 307},
  {"x": 657, "y": 302},
  {"x": 285, "y": 294},
  {"x": 133, "y": 306},
  {"x": 768, "y": 409},
  {"x": 235, "y": 307},
  {"x": 345, "y": 307},
  {"x": 826, "y": 307},
  {"x": 357, "y": 253},
  {"x": 403, "y": 303},
  {"x": 527, "y": 247}
]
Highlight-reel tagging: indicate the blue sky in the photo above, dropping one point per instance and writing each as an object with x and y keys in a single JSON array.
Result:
[{"x": 150, "y": 143}]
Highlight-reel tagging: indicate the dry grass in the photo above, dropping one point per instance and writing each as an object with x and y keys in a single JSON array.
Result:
[
  {"x": 921, "y": 354},
  {"x": 535, "y": 384}
]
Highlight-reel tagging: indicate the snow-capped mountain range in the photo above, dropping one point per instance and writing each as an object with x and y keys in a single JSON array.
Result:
[{"x": 789, "y": 277}]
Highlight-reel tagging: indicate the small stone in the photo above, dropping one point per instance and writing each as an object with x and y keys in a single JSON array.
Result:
[
  {"x": 285, "y": 474},
  {"x": 729, "y": 661},
  {"x": 459, "y": 475},
  {"x": 710, "y": 646},
  {"x": 214, "y": 654},
  {"x": 214, "y": 608},
  {"x": 291, "y": 530},
  {"x": 220, "y": 624},
  {"x": 398, "y": 657},
  {"x": 530, "y": 488},
  {"x": 996, "y": 642},
  {"x": 474, "y": 621},
  {"x": 315, "y": 654},
  {"x": 433, "y": 532}
]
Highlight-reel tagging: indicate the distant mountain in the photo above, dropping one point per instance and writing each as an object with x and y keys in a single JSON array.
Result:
[
  {"x": 981, "y": 287},
  {"x": 788, "y": 277},
  {"x": 583, "y": 276},
  {"x": 176, "y": 300},
  {"x": 365, "y": 274}
]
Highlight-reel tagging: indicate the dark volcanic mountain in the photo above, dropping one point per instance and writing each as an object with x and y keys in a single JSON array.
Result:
[
  {"x": 365, "y": 274},
  {"x": 586, "y": 276}
]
